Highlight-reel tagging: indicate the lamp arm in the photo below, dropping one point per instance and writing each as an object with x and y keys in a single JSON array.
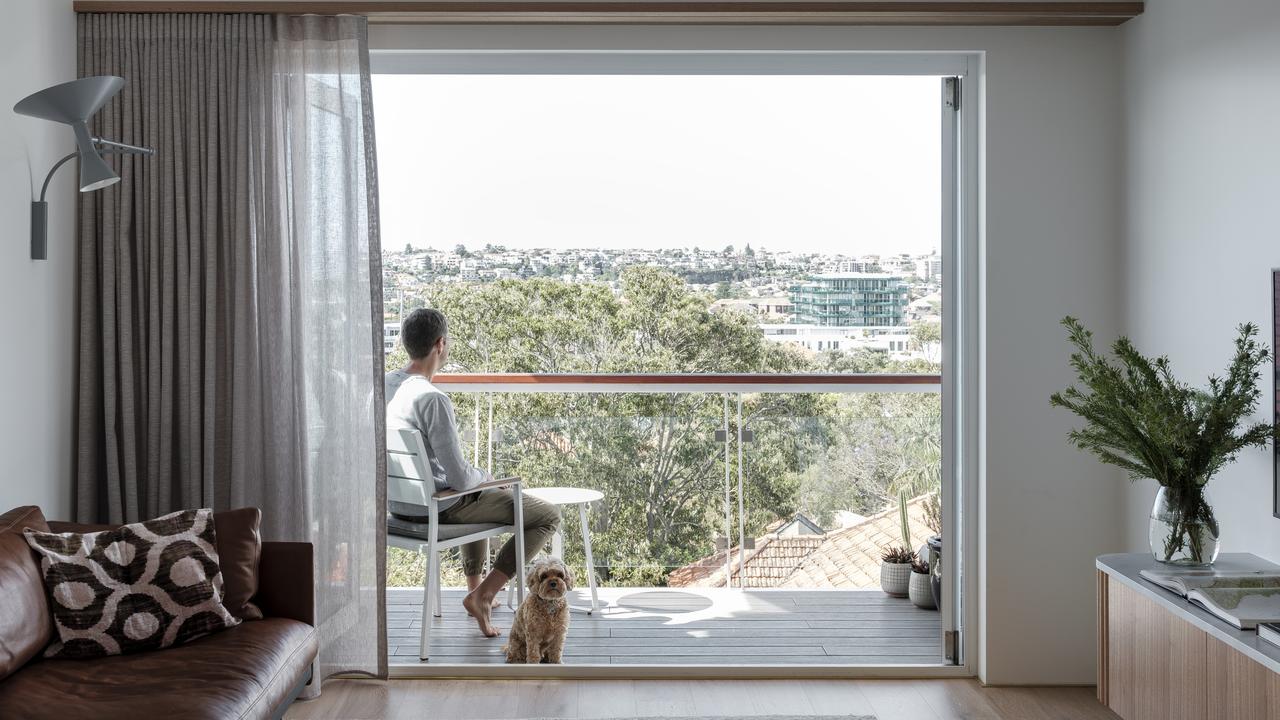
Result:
[
  {"x": 110, "y": 147},
  {"x": 44, "y": 188}
]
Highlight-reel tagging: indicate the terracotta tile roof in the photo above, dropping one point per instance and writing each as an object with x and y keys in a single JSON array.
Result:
[
  {"x": 844, "y": 558},
  {"x": 850, "y": 557},
  {"x": 707, "y": 572}
]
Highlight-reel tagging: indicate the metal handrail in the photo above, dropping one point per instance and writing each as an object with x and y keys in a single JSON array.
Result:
[{"x": 687, "y": 382}]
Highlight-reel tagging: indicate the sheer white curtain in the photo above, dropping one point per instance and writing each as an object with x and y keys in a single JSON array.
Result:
[
  {"x": 231, "y": 299},
  {"x": 328, "y": 213}
]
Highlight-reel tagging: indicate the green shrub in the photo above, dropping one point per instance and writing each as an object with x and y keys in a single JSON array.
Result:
[{"x": 407, "y": 569}]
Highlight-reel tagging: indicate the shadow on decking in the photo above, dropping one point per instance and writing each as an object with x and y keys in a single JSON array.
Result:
[{"x": 664, "y": 601}]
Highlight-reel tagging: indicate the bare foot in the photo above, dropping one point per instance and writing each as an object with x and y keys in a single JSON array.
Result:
[
  {"x": 473, "y": 583},
  {"x": 479, "y": 609}
]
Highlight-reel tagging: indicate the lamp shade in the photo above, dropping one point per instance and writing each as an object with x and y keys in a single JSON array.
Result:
[
  {"x": 73, "y": 103},
  {"x": 95, "y": 173}
]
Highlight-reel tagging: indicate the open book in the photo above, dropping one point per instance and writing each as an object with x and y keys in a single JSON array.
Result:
[{"x": 1242, "y": 599}]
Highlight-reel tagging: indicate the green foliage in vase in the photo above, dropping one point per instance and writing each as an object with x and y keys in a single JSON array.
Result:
[{"x": 1140, "y": 418}]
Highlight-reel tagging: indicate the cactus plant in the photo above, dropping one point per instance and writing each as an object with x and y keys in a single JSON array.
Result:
[
  {"x": 905, "y": 526},
  {"x": 895, "y": 570}
]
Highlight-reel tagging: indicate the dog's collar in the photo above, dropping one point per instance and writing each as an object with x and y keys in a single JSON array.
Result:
[{"x": 552, "y": 607}]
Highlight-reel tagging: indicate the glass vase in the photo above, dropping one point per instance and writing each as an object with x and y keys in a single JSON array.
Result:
[{"x": 1183, "y": 529}]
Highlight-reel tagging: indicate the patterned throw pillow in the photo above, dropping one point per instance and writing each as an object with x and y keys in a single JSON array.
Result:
[{"x": 143, "y": 586}]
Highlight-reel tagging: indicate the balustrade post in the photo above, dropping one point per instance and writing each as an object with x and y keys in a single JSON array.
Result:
[
  {"x": 475, "y": 428},
  {"x": 728, "y": 507},
  {"x": 742, "y": 518},
  {"x": 489, "y": 438}
]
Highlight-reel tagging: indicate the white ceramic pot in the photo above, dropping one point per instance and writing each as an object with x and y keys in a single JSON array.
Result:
[
  {"x": 895, "y": 578},
  {"x": 921, "y": 591}
]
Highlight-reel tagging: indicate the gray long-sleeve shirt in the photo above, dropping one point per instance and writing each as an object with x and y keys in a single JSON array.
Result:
[{"x": 413, "y": 402}]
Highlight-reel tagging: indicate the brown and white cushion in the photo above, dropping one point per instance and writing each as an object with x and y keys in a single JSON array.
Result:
[{"x": 142, "y": 586}]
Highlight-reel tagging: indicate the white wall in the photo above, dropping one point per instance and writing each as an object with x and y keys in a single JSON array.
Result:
[
  {"x": 37, "y": 298},
  {"x": 1202, "y": 229},
  {"x": 1052, "y": 218}
]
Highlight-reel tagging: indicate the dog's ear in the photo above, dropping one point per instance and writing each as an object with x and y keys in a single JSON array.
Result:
[
  {"x": 569, "y": 582},
  {"x": 533, "y": 576}
]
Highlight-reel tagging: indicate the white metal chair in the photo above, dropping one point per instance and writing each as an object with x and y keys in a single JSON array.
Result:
[{"x": 409, "y": 482}]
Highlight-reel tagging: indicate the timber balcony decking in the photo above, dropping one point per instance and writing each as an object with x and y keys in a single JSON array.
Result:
[{"x": 693, "y": 626}]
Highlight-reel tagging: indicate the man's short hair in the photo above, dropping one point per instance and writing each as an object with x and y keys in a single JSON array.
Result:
[{"x": 421, "y": 330}]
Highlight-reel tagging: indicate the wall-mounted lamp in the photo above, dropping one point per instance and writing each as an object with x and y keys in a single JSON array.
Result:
[{"x": 73, "y": 103}]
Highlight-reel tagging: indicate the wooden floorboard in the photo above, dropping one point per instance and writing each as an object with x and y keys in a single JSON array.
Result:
[
  {"x": 698, "y": 627},
  {"x": 599, "y": 699}
]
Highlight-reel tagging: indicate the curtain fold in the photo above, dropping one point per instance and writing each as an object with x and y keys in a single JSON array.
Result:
[{"x": 230, "y": 347}]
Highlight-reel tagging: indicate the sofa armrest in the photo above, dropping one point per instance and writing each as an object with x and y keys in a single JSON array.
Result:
[
  {"x": 286, "y": 581},
  {"x": 62, "y": 526}
]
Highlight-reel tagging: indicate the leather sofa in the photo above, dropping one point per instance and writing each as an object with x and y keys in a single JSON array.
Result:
[{"x": 253, "y": 670}]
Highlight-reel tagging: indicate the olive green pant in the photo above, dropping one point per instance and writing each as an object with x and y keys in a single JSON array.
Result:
[{"x": 541, "y": 521}]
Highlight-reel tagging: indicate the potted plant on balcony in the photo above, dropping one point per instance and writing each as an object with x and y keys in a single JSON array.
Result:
[
  {"x": 1140, "y": 418},
  {"x": 919, "y": 591},
  {"x": 895, "y": 563}
]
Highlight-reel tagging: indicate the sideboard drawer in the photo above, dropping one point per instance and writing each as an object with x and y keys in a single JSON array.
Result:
[
  {"x": 1239, "y": 687},
  {"x": 1156, "y": 664}
]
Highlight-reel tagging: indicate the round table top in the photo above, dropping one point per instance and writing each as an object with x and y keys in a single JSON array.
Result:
[{"x": 565, "y": 495}]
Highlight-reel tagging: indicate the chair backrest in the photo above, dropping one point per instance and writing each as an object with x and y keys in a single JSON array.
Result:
[{"x": 409, "y": 479}]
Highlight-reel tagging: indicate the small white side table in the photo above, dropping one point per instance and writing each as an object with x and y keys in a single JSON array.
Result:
[{"x": 581, "y": 497}]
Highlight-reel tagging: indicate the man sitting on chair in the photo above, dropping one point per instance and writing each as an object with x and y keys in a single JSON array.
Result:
[{"x": 413, "y": 402}]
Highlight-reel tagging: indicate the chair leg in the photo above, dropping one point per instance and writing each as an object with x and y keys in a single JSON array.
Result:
[
  {"x": 439, "y": 603},
  {"x": 591, "y": 565},
  {"x": 519, "y": 528},
  {"x": 430, "y": 584}
]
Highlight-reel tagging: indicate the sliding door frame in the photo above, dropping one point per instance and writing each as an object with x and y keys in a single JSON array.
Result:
[{"x": 961, "y": 327}]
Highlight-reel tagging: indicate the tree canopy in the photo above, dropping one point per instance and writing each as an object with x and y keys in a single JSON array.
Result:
[{"x": 655, "y": 456}]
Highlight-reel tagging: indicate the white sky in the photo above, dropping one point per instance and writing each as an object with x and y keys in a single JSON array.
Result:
[{"x": 831, "y": 164}]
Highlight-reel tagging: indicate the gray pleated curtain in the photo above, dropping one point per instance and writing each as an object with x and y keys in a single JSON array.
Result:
[{"x": 230, "y": 295}]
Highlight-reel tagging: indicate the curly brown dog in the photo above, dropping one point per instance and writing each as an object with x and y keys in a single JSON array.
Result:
[{"x": 538, "y": 632}]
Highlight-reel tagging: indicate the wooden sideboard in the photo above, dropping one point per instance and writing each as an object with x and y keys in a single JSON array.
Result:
[{"x": 1162, "y": 658}]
